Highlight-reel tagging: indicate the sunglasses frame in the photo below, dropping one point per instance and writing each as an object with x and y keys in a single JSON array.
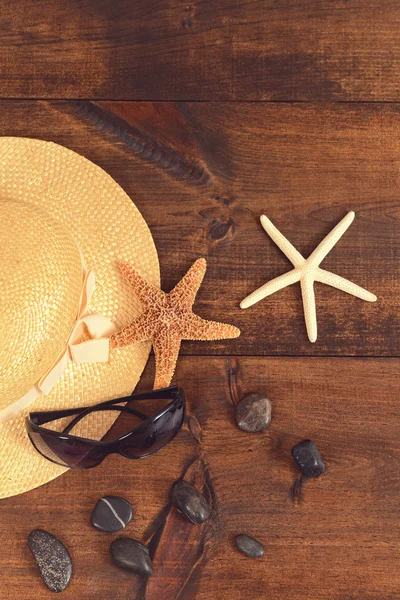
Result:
[{"x": 35, "y": 420}]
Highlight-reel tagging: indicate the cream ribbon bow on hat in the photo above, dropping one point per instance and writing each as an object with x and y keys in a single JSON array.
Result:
[{"x": 93, "y": 350}]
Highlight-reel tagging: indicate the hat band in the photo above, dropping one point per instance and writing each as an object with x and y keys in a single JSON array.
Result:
[{"x": 93, "y": 350}]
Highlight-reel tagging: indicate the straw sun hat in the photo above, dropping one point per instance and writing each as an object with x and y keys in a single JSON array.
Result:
[{"x": 64, "y": 227}]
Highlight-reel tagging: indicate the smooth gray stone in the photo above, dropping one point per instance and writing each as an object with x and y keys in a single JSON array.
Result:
[
  {"x": 111, "y": 514},
  {"x": 253, "y": 413},
  {"x": 132, "y": 555},
  {"x": 52, "y": 558},
  {"x": 190, "y": 502},
  {"x": 249, "y": 546}
]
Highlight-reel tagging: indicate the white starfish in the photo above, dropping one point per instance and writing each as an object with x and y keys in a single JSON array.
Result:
[{"x": 307, "y": 271}]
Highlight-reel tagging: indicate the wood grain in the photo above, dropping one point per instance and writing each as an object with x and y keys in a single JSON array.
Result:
[
  {"x": 177, "y": 547},
  {"x": 202, "y": 174},
  {"x": 119, "y": 82},
  {"x": 340, "y": 540},
  {"x": 196, "y": 50}
]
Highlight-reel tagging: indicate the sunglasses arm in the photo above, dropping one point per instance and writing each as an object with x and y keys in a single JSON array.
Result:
[
  {"x": 109, "y": 405},
  {"x": 88, "y": 411},
  {"x": 41, "y": 418}
]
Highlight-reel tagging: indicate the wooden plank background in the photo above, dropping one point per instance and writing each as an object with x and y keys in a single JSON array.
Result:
[
  {"x": 341, "y": 540},
  {"x": 210, "y": 114},
  {"x": 201, "y": 50},
  {"x": 202, "y": 174}
]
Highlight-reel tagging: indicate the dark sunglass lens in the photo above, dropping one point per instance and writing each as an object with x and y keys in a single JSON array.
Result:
[
  {"x": 65, "y": 451},
  {"x": 155, "y": 435}
]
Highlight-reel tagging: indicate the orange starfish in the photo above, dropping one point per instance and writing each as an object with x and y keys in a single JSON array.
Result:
[{"x": 167, "y": 319}]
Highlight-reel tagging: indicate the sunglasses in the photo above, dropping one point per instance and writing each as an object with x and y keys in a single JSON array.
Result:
[{"x": 82, "y": 453}]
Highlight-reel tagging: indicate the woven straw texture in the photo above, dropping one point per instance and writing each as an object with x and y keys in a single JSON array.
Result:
[
  {"x": 73, "y": 195},
  {"x": 40, "y": 283}
]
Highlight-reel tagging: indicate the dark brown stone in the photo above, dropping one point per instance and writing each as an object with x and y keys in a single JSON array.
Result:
[
  {"x": 253, "y": 413},
  {"x": 249, "y": 546},
  {"x": 190, "y": 502},
  {"x": 132, "y": 555},
  {"x": 52, "y": 558},
  {"x": 308, "y": 459}
]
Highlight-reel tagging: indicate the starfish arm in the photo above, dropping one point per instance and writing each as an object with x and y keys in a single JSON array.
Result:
[
  {"x": 147, "y": 293},
  {"x": 283, "y": 243},
  {"x": 166, "y": 349},
  {"x": 184, "y": 293},
  {"x": 196, "y": 328},
  {"x": 330, "y": 240},
  {"x": 138, "y": 331},
  {"x": 344, "y": 285},
  {"x": 271, "y": 287},
  {"x": 310, "y": 311}
]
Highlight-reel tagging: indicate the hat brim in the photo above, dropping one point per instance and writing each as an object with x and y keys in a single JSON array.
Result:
[{"x": 109, "y": 229}]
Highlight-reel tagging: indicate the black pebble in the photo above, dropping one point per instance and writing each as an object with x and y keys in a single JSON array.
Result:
[
  {"x": 52, "y": 558},
  {"x": 308, "y": 459},
  {"x": 249, "y": 546},
  {"x": 190, "y": 502},
  {"x": 132, "y": 555},
  {"x": 253, "y": 413},
  {"x": 111, "y": 514}
]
